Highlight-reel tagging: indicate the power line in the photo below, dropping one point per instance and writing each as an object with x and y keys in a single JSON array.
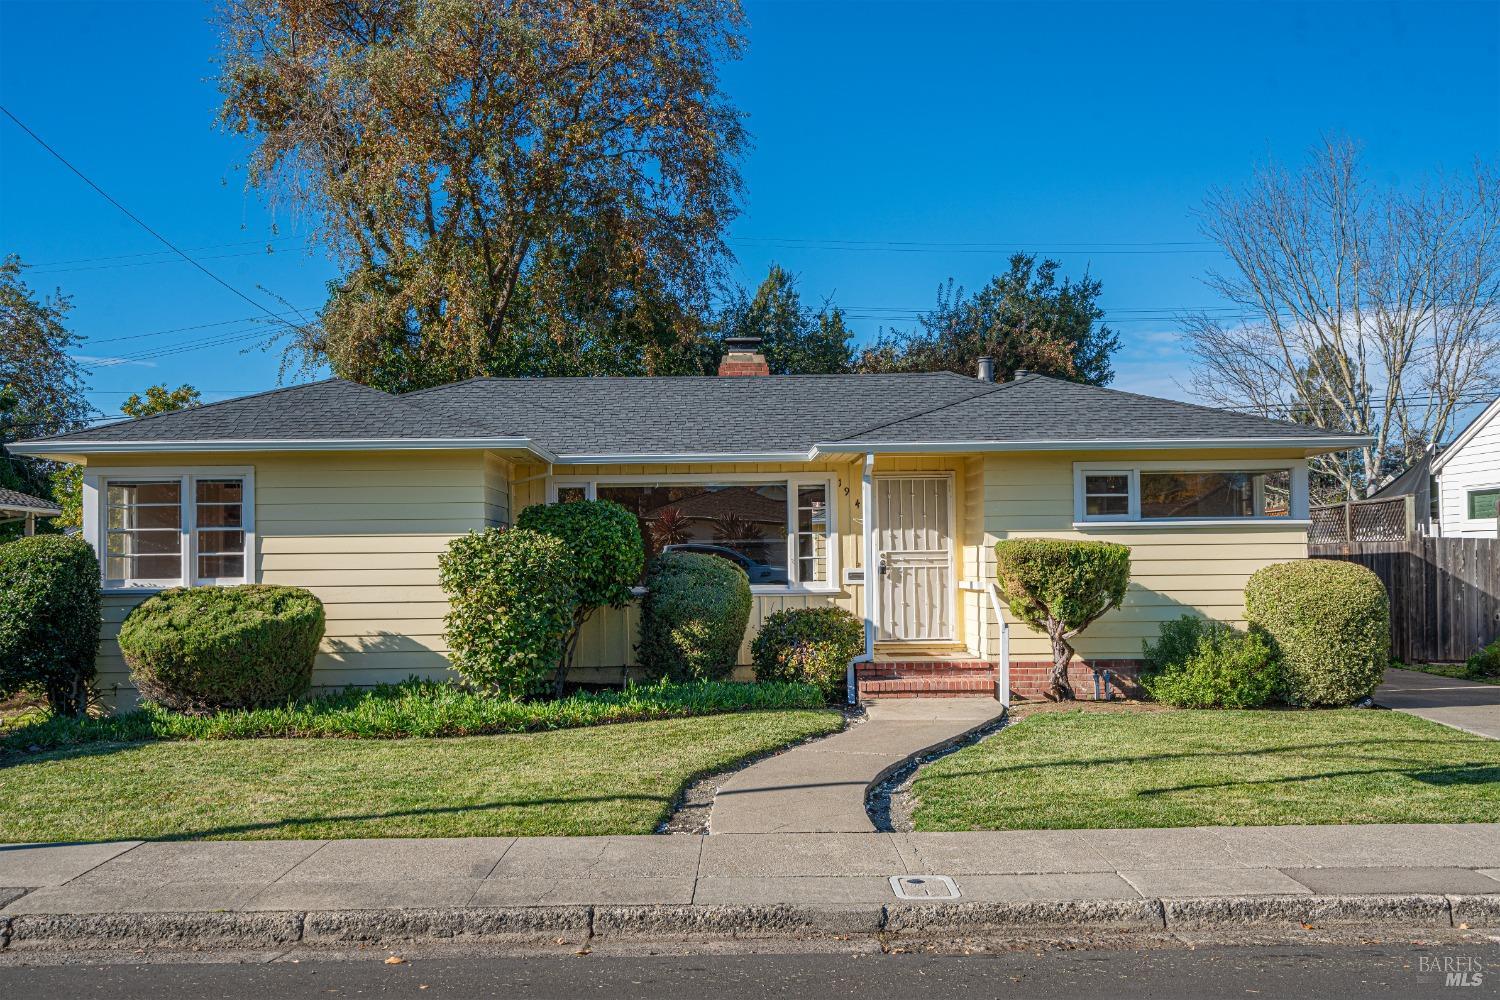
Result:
[
  {"x": 197, "y": 326},
  {"x": 138, "y": 221},
  {"x": 157, "y": 253}
]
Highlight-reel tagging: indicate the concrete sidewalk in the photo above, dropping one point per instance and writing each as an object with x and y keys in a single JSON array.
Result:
[
  {"x": 691, "y": 887},
  {"x": 1466, "y": 705},
  {"x": 820, "y": 787}
]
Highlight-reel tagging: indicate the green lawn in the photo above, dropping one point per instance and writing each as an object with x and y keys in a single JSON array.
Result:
[
  {"x": 1459, "y": 671},
  {"x": 1141, "y": 768},
  {"x": 601, "y": 780}
]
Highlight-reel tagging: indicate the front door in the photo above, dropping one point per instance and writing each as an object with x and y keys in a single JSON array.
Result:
[{"x": 914, "y": 550}]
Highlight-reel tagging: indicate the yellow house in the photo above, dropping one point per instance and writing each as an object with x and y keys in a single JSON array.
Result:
[{"x": 882, "y": 494}]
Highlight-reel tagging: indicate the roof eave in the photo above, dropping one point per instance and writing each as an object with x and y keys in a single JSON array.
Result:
[
  {"x": 57, "y": 448},
  {"x": 1311, "y": 444},
  {"x": 1468, "y": 434},
  {"x": 681, "y": 458}
]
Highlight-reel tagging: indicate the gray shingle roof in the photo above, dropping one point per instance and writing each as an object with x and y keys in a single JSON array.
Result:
[
  {"x": 701, "y": 415},
  {"x": 330, "y": 410},
  {"x": 15, "y": 500},
  {"x": 1038, "y": 409}
]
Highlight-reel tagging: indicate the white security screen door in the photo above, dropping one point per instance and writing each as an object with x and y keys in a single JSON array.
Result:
[{"x": 914, "y": 549}]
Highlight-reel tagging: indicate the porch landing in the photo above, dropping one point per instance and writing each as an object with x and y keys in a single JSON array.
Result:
[{"x": 820, "y": 787}]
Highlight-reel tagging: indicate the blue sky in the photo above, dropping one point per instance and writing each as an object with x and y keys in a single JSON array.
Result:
[{"x": 896, "y": 145}]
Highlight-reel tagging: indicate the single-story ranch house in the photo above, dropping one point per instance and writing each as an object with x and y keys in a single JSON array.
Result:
[{"x": 817, "y": 485}]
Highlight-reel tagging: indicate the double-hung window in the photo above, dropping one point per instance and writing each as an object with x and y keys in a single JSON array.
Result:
[
  {"x": 779, "y": 530},
  {"x": 1190, "y": 491},
  {"x": 166, "y": 528}
]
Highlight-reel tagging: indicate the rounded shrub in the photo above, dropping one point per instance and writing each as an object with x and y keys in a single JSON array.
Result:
[
  {"x": 49, "y": 620},
  {"x": 1198, "y": 663},
  {"x": 205, "y": 649},
  {"x": 1486, "y": 662},
  {"x": 512, "y": 601},
  {"x": 1329, "y": 624},
  {"x": 810, "y": 645},
  {"x": 693, "y": 616}
]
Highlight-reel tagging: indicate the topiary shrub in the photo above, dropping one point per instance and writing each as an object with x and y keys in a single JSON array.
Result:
[
  {"x": 1059, "y": 587},
  {"x": 198, "y": 650},
  {"x": 693, "y": 616},
  {"x": 1486, "y": 662},
  {"x": 1328, "y": 622},
  {"x": 606, "y": 555},
  {"x": 1198, "y": 663},
  {"x": 512, "y": 602},
  {"x": 49, "y": 620},
  {"x": 810, "y": 645}
]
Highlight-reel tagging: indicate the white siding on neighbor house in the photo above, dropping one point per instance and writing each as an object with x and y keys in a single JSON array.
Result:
[{"x": 1473, "y": 464}]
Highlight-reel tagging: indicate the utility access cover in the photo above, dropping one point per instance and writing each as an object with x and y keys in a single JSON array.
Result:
[{"x": 923, "y": 887}]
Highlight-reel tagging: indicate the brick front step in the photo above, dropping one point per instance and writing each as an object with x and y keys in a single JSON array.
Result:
[
  {"x": 926, "y": 668},
  {"x": 928, "y": 687}
]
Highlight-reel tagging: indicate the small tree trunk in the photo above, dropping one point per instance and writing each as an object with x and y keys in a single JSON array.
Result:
[
  {"x": 1062, "y": 655},
  {"x": 565, "y": 662}
]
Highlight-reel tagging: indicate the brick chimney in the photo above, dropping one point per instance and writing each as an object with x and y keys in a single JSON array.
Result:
[{"x": 743, "y": 357}]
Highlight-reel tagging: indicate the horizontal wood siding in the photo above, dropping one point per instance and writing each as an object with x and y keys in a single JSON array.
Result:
[
  {"x": 1175, "y": 569},
  {"x": 363, "y": 533}
]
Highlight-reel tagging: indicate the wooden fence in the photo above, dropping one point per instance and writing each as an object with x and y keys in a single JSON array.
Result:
[{"x": 1445, "y": 592}]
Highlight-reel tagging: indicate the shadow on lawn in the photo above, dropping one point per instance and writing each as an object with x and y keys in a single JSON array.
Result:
[
  {"x": 295, "y": 822},
  {"x": 1298, "y": 749},
  {"x": 1457, "y": 774}
]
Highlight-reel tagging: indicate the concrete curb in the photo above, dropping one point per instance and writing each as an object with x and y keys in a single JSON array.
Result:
[{"x": 578, "y": 925}]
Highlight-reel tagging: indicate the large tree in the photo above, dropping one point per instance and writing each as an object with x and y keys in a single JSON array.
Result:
[
  {"x": 41, "y": 385},
  {"x": 1362, "y": 308},
  {"x": 1025, "y": 318},
  {"x": 512, "y": 186},
  {"x": 795, "y": 338}
]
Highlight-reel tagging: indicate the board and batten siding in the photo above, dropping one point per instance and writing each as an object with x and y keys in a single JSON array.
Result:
[
  {"x": 1474, "y": 465},
  {"x": 1175, "y": 569},
  {"x": 361, "y": 531}
]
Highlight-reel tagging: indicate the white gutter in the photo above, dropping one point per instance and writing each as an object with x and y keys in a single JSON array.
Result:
[
  {"x": 65, "y": 447},
  {"x": 628, "y": 458},
  {"x": 867, "y": 541},
  {"x": 1139, "y": 444}
]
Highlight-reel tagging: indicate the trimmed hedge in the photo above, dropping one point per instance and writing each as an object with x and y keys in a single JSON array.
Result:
[
  {"x": 1200, "y": 663},
  {"x": 1329, "y": 622},
  {"x": 49, "y": 620},
  {"x": 809, "y": 645},
  {"x": 412, "y": 709},
  {"x": 512, "y": 601},
  {"x": 205, "y": 649},
  {"x": 693, "y": 616}
]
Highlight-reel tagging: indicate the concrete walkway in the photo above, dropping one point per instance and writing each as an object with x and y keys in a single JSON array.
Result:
[
  {"x": 820, "y": 787},
  {"x": 1466, "y": 705},
  {"x": 1434, "y": 874}
]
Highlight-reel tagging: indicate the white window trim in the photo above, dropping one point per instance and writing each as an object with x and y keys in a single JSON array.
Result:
[
  {"x": 1297, "y": 516},
  {"x": 96, "y": 483},
  {"x": 1467, "y": 523},
  {"x": 828, "y": 480}
]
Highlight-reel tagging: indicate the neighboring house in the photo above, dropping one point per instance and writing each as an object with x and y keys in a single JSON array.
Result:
[
  {"x": 821, "y": 481},
  {"x": 17, "y": 506},
  {"x": 1466, "y": 477}
]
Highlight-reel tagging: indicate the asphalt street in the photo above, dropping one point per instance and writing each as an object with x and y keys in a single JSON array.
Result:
[{"x": 1323, "y": 972}]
